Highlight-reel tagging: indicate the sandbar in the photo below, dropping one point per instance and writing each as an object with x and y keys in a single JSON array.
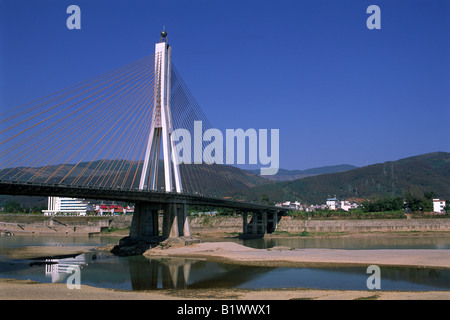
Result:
[
  {"x": 35, "y": 252},
  {"x": 284, "y": 256}
]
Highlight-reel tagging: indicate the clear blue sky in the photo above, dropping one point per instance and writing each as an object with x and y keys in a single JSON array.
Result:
[{"x": 338, "y": 92}]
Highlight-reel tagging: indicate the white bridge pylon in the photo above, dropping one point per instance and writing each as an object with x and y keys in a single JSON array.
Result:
[{"x": 161, "y": 127}]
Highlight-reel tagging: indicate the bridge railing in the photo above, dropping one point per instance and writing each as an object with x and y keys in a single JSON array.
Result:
[
  {"x": 59, "y": 185},
  {"x": 182, "y": 195}
]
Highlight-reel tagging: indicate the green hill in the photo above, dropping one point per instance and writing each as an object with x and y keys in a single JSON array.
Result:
[
  {"x": 289, "y": 175},
  {"x": 423, "y": 173},
  {"x": 126, "y": 174}
]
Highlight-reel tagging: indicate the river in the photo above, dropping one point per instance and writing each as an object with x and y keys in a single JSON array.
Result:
[{"x": 102, "y": 269}]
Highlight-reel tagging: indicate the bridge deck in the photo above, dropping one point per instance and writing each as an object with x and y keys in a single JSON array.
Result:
[{"x": 129, "y": 195}]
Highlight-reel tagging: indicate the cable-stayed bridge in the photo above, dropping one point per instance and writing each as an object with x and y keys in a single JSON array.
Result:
[{"x": 112, "y": 137}]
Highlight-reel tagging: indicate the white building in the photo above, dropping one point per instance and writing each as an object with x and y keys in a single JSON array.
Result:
[
  {"x": 346, "y": 205},
  {"x": 332, "y": 203},
  {"x": 438, "y": 205},
  {"x": 62, "y": 205},
  {"x": 291, "y": 205}
]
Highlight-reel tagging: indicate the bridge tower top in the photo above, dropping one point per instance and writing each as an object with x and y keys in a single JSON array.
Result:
[{"x": 163, "y": 36}]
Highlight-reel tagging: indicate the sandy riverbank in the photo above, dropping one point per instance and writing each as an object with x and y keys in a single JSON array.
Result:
[
  {"x": 11, "y": 289},
  {"x": 35, "y": 252},
  {"x": 285, "y": 256}
]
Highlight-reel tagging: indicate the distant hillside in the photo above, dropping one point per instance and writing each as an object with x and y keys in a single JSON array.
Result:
[
  {"x": 422, "y": 173},
  {"x": 427, "y": 172},
  {"x": 215, "y": 179},
  {"x": 289, "y": 175}
]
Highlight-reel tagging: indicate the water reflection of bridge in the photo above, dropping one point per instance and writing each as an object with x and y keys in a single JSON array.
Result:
[{"x": 182, "y": 273}]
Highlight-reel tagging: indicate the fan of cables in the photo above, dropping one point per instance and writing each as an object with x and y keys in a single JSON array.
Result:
[{"x": 94, "y": 134}]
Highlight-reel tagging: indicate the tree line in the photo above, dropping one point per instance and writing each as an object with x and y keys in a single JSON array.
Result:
[
  {"x": 16, "y": 207},
  {"x": 411, "y": 201}
]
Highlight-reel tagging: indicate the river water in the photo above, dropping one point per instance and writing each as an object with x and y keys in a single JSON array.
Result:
[{"x": 141, "y": 273}]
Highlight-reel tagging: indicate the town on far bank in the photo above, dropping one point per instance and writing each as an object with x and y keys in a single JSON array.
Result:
[
  {"x": 439, "y": 205},
  {"x": 82, "y": 207}
]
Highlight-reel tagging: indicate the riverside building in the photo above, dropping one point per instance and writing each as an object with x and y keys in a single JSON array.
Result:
[{"x": 66, "y": 206}]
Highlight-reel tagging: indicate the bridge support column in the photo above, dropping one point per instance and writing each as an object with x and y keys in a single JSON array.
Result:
[
  {"x": 245, "y": 222},
  {"x": 257, "y": 225},
  {"x": 144, "y": 231},
  {"x": 262, "y": 222},
  {"x": 272, "y": 221},
  {"x": 145, "y": 220},
  {"x": 175, "y": 220}
]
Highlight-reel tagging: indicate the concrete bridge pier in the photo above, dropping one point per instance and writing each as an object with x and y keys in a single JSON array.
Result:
[
  {"x": 261, "y": 223},
  {"x": 145, "y": 220},
  {"x": 257, "y": 224},
  {"x": 145, "y": 231},
  {"x": 175, "y": 220}
]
